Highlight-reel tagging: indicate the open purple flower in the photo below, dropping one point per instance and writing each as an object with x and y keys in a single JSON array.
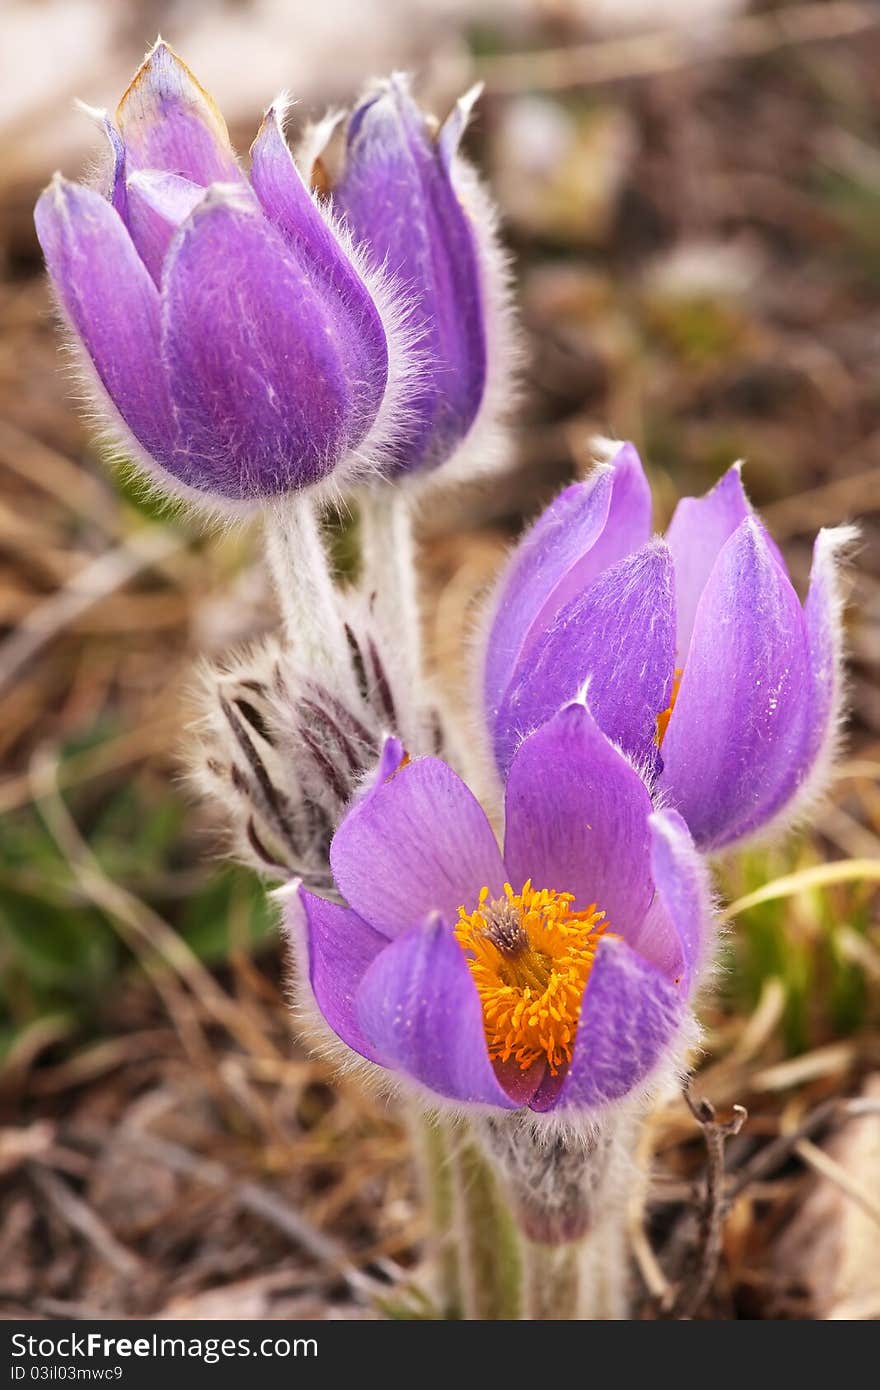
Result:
[
  {"x": 555, "y": 975},
  {"x": 699, "y": 659},
  {"x": 416, "y": 207},
  {"x": 241, "y": 344}
]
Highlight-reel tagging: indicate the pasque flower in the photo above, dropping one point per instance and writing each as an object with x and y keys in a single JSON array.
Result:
[
  {"x": 699, "y": 660},
  {"x": 406, "y": 193},
  {"x": 555, "y": 975},
  {"x": 240, "y": 341}
]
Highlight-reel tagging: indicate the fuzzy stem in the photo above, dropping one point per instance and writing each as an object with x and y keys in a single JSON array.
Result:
[
  {"x": 306, "y": 593},
  {"x": 552, "y": 1282},
  {"x": 433, "y": 1150},
  {"x": 491, "y": 1254},
  {"x": 585, "y": 1279},
  {"x": 390, "y": 583}
]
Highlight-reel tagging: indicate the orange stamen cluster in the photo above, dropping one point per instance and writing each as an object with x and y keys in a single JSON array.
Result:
[
  {"x": 665, "y": 715},
  {"x": 530, "y": 956}
]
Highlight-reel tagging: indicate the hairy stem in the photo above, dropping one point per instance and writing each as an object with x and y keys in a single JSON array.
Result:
[
  {"x": 390, "y": 584},
  {"x": 434, "y": 1152},
  {"x": 306, "y": 593},
  {"x": 489, "y": 1244}
]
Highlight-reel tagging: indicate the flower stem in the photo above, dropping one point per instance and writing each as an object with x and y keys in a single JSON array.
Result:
[
  {"x": 433, "y": 1149},
  {"x": 552, "y": 1282},
  {"x": 491, "y": 1254},
  {"x": 585, "y": 1279},
  {"x": 307, "y": 595},
  {"x": 390, "y": 583}
]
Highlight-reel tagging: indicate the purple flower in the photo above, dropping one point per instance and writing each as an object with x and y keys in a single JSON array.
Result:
[
  {"x": 555, "y": 975},
  {"x": 244, "y": 349},
  {"x": 699, "y": 659},
  {"x": 415, "y": 205}
]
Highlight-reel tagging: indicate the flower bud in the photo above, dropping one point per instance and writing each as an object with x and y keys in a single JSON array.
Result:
[{"x": 235, "y": 339}]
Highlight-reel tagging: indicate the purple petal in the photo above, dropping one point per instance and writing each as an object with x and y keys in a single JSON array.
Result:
[
  {"x": 738, "y": 725},
  {"x": 629, "y": 1018},
  {"x": 258, "y": 386},
  {"x": 589, "y": 526},
  {"x": 418, "y": 844},
  {"x": 420, "y": 1010},
  {"x": 822, "y": 615},
  {"x": 698, "y": 530},
  {"x": 617, "y": 640},
  {"x": 340, "y": 949},
  {"x": 156, "y": 206},
  {"x": 287, "y": 202},
  {"x": 169, "y": 122},
  {"x": 108, "y": 296},
  {"x": 391, "y": 756},
  {"x": 577, "y": 820},
  {"x": 397, "y": 196},
  {"x": 114, "y": 182},
  {"x": 673, "y": 935}
]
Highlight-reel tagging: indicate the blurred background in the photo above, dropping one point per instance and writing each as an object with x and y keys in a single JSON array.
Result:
[{"x": 691, "y": 196}]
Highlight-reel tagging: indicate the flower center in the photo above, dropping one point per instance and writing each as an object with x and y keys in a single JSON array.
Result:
[
  {"x": 530, "y": 956},
  {"x": 665, "y": 715}
]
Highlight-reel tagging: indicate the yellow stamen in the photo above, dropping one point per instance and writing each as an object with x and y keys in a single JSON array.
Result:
[
  {"x": 665, "y": 715},
  {"x": 530, "y": 957}
]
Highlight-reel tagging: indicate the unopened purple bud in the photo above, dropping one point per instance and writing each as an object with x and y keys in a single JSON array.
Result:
[
  {"x": 418, "y": 211},
  {"x": 242, "y": 351}
]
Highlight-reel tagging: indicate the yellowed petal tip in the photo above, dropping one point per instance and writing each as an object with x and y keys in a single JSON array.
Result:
[{"x": 163, "y": 75}]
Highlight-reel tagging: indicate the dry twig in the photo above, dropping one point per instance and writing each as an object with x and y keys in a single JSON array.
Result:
[{"x": 693, "y": 1291}]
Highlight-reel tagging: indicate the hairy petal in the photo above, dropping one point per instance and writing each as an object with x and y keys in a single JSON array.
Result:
[
  {"x": 675, "y": 933},
  {"x": 698, "y": 530},
  {"x": 398, "y": 198},
  {"x": 112, "y": 304},
  {"x": 290, "y": 206},
  {"x": 738, "y": 726},
  {"x": 419, "y": 1008},
  {"x": 577, "y": 820},
  {"x": 156, "y": 206},
  {"x": 822, "y": 614},
  {"x": 169, "y": 122},
  {"x": 587, "y": 528},
  {"x": 629, "y": 1019},
  {"x": 418, "y": 844},
  {"x": 257, "y": 383},
  {"x": 340, "y": 948},
  {"x": 617, "y": 640}
]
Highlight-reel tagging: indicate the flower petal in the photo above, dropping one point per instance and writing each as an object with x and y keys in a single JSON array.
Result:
[
  {"x": 629, "y": 1018},
  {"x": 169, "y": 122},
  {"x": 289, "y": 205},
  {"x": 418, "y": 844},
  {"x": 699, "y": 528},
  {"x": 738, "y": 724},
  {"x": 587, "y": 528},
  {"x": 420, "y": 1010},
  {"x": 340, "y": 948},
  {"x": 618, "y": 640},
  {"x": 822, "y": 614},
  {"x": 258, "y": 386},
  {"x": 156, "y": 205},
  {"x": 673, "y": 935},
  {"x": 577, "y": 820},
  {"x": 111, "y": 302},
  {"x": 397, "y": 196}
]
